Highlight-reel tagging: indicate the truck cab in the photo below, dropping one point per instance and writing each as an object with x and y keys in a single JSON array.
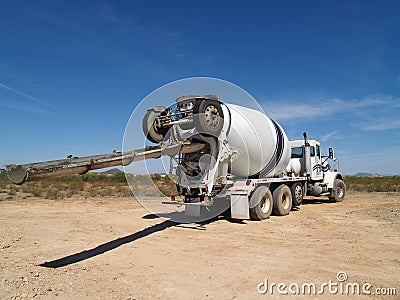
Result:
[
  {"x": 315, "y": 159},
  {"x": 322, "y": 179}
]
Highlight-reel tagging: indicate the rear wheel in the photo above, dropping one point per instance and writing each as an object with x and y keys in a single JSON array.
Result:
[
  {"x": 261, "y": 203},
  {"x": 297, "y": 193},
  {"x": 338, "y": 191},
  {"x": 282, "y": 200},
  {"x": 208, "y": 117}
]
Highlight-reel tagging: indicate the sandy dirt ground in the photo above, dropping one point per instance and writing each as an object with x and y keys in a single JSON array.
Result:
[{"x": 114, "y": 248}]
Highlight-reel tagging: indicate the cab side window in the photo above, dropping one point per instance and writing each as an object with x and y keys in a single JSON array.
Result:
[
  {"x": 297, "y": 152},
  {"x": 312, "y": 151}
]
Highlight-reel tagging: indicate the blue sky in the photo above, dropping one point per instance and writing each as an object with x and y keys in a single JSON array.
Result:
[{"x": 72, "y": 72}]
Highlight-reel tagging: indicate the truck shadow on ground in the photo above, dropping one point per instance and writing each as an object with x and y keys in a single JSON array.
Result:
[
  {"x": 86, "y": 254},
  {"x": 111, "y": 245},
  {"x": 317, "y": 201}
]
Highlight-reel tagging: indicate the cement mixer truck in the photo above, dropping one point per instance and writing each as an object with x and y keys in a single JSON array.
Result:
[{"x": 224, "y": 153}]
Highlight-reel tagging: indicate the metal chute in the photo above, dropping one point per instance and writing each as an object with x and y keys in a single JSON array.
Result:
[{"x": 19, "y": 174}]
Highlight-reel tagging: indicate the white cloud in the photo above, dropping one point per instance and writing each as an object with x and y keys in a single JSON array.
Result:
[
  {"x": 15, "y": 91},
  {"x": 294, "y": 111},
  {"x": 381, "y": 162},
  {"x": 328, "y": 135},
  {"x": 47, "y": 17},
  {"x": 298, "y": 110},
  {"x": 106, "y": 12},
  {"x": 7, "y": 71},
  {"x": 366, "y": 108},
  {"x": 380, "y": 125},
  {"x": 23, "y": 107}
]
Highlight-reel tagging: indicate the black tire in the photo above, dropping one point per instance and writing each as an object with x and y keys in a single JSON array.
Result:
[
  {"x": 208, "y": 117},
  {"x": 338, "y": 192},
  {"x": 297, "y": 191},
  {"x": 150, "y": 131},
  {"x": 282, "y": 200},
  {"x": 261, "y": 203}
]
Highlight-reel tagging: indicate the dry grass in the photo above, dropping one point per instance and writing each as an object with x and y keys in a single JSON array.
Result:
[
  {"x": 373, "y": 184},
  {"x": 97, "y": 185},
  {"x": 88, "y": 185}
]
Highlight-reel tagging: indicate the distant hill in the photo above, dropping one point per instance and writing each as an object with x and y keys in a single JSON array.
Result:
[
  {"x": 111, "y": 171},
  {"x": 362, "y": 174}
]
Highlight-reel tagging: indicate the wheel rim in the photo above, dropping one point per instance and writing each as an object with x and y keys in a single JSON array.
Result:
[
  {"x": 265, "y": 205},
  {"x": 285, "y": 201},
  {"x": 339, "y": 192},
  {"x": 157, "y": 125},
  {"x": 212, "y": 116},
  {"x": 298, "y": 192}
]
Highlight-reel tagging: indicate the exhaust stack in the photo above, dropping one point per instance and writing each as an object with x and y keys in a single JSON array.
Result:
[{"x": 307, "y": 156}]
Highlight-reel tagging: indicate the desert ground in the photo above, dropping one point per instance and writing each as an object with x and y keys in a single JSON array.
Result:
[{"x": 102, "y": 248}]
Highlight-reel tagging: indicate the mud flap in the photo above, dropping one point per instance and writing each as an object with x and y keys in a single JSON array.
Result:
[{"x": 240, "y": 206}]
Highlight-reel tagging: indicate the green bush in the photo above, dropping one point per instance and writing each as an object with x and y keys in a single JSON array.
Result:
[
  {"x": 118, "y": 177},
  {"x": 90, "y": 177}
]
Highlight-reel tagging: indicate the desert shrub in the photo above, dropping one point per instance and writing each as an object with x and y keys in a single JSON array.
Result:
[
  {"x": 167, "y": 190},
  {"x": 90, "y": 185},
  {"x": 12, "y": 189},
  {"x": 4, "y": 182},
  {"x": 54, "y": 188},
  {"x": 123, "y": 191},
  {"x": 90, "y": 177},
  {"x": 118, "y": 177},
  {"x": 3, "y": 177},
  {"x": 373, "y": 184},
  {"x": 156, "y": 177}
]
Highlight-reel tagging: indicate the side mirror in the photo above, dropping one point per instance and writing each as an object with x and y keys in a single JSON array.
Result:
[{"x": 331, "y": 153}]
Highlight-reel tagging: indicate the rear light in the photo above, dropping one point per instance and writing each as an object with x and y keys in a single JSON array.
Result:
[
  {"x": 248, "y": 182},
  {"x": 173, "y": 198},
  {"x": 334, "y": 170}
]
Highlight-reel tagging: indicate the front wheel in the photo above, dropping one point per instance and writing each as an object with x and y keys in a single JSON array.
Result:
[
  {"x": 261, "y": 203},
  {"x": 297, "y": 193},
  {"x": 338, "y": 191}
]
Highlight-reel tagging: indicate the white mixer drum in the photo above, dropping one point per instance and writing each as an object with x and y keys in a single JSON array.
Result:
[{"x": 262, "y": 145}]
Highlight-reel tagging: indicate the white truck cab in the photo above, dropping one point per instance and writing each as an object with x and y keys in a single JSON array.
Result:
[
  {"x": 322, "y": 178},
  {"x": 298, "y": 153}
]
